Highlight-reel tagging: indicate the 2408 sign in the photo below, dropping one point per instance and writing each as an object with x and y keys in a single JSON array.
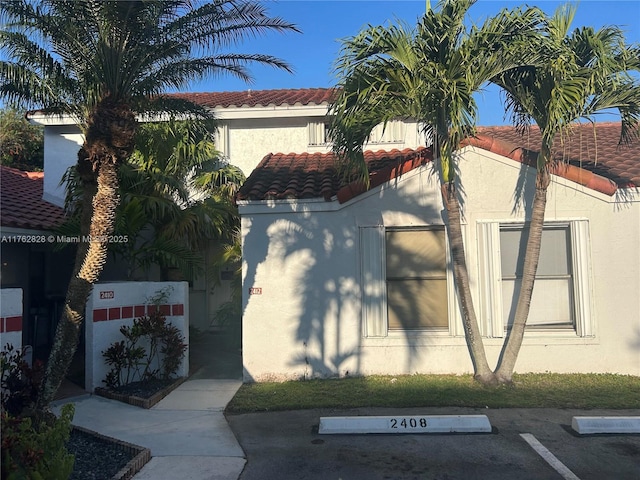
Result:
[{"x": 408, "y": 423}]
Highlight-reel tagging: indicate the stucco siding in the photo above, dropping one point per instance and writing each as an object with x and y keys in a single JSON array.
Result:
[
  {"x": 307, "y": 320},
  {"x": 61, "y": 145}
]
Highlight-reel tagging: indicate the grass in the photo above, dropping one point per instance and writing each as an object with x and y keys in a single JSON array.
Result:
[{"x": 547, "y": 390}]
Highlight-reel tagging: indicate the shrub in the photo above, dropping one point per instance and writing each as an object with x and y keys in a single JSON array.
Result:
[
  {"x": 18, "y": 381},
  {"x": 152, "y": 349},
  {"x": 36, "y": 452},
  {"x": 33, "y": 443}
]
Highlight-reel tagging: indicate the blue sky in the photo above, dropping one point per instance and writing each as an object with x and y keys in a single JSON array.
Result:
[{"x": 324, "y": 23}]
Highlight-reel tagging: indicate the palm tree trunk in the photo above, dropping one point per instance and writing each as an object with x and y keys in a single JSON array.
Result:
[
  {"x": 513, "y": 342},
  {"x": 90, "y": 258},
  {"x": 482, "y": 371}
]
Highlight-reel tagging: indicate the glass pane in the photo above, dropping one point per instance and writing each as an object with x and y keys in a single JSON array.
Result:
[
  {"x": 416, "y": 304},
  {"x": 554, "y": 251},
  {"x": 416, "y": 253},
  {"x": 551, "y": 302}
]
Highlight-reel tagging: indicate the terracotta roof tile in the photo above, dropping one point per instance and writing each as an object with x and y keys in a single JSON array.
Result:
[
  {"x": 314, "y": 175},
  {"x": 254, "y": 98},
  {"x": 306, "y": 175},
  {"x": 21, "y": 203},
  {"x": 619, "y": 163}
]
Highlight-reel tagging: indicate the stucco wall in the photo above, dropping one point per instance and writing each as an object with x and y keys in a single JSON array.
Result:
[
  {"x": 61, "y": 145},
  {"x": 302, "y": 294},
  {"x": 11, "y": 317},
  {"x": 113, "y": 305}
]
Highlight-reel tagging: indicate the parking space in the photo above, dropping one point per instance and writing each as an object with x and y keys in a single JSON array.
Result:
[{"x": 286, "y": 445}]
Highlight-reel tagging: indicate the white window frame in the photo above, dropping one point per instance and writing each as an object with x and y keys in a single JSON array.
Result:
[
  {"x": 221, "y": 140},
  {"x": 392, "y": 132},
  {"x": 490, "y": 273},
  {"x": 375, "y": 323},
  {"x": 317, "y": 133}
]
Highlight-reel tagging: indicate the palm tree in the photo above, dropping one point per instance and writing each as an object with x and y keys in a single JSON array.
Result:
[
  {"x": 168, "y": 187},
  {"x": 103, "y": 62},
  {"x": 430, "y": 74},
  {"x": 588, "y": 71}
]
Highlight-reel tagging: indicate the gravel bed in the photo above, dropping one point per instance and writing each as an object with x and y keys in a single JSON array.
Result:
[
  {"x": 145, "y": 389},
  {"x": 96, "y": 458},
  {"x": 100, "y": 459}
]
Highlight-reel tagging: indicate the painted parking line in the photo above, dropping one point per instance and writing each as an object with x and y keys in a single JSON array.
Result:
[{"x": 549, "y": 457}]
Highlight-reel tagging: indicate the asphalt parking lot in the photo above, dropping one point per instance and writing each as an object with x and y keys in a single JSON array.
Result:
[{"x": 287, "y": 446}]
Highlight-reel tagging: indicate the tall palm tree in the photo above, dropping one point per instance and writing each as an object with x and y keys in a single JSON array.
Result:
[
  {"x": 588, "y": 71},
  {"x": 103, "y": 62},
  {"x": 430, "y": 74}
]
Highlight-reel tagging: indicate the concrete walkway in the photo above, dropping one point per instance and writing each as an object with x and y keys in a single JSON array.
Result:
[{"x": 186, "y": 432}]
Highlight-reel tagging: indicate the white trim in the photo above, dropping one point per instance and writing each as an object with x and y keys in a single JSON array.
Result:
[
  {"x": 372, "y": 274},
  {"x": 221, "y": 140},
  {"x": 492, "y": 318},
  {"x": 580, "y": 251}
]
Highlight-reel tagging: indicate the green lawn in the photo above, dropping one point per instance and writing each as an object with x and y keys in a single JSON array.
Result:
[{"x": 529, "y": 391}]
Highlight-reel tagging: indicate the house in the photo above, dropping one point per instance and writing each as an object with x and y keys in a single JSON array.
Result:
[
  {"x": 341, "y": 280},
  {"x": 34, "y": 277},
  {"x": 251, "y": 123}
]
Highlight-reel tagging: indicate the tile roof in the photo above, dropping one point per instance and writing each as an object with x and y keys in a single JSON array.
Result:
[
  {"x": 21, "y": 203},
  {"x": 314, "y": 175},
  {"x": 255, "y": 98},
  {"x": 619, "y": 163},
  {"x": 306, "y": 175}
]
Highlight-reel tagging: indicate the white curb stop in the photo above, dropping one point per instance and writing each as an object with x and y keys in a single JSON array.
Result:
[
  {"x": 405, "y": 424},
  {"x": 587, "y": 425}
]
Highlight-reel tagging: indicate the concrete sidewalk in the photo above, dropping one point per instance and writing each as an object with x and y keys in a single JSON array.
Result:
[{"x": 186, "y": 432}]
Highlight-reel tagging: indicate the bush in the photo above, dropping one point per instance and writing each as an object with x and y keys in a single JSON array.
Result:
[
  {"x": 152, "y": 349},
  {"x": 33, "y": 443},
  {"x": 36, "y": 452},
  {"x": 19, "y": 382}
]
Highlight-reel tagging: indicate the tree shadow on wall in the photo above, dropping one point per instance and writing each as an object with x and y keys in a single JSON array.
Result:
[{"x": 320, "y": 250}]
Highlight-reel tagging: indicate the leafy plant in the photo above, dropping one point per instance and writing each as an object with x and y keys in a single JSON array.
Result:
[
  {"x": 36, "y": 451},
  {"x": 32, "y": 448},
  {"x": 21, "y": 144},
  {"x": 152, "y": 349},
  {"x": 19, "y": 381}
]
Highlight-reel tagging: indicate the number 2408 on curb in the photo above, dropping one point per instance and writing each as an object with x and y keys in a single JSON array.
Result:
[{"x": 408, "y": 422}]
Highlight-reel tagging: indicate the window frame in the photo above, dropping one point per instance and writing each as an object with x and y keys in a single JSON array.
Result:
[
  {"x": 375, "y": 322},
  {"x": 490, "y": 273},
  {"x": 394, "y": 131},
  {"x": 318, "y": 133}
]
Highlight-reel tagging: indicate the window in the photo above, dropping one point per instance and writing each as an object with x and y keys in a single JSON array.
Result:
[
  {"x": 552, "y": 303},
  {"x": 221, "y": 139},
  {"x": 392, "y": 132},
  {"x": 318, "y": 133},
  {"x": 561, "y": 300},
  {"x": 407, "y": 283},
  {"x": 416, "y": 278}
]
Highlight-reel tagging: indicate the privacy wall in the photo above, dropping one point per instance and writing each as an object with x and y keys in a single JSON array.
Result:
[{"x": 113, "y": 305}]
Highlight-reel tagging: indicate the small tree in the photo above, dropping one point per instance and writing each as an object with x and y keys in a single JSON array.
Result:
[{"x": 21, "y": 144}]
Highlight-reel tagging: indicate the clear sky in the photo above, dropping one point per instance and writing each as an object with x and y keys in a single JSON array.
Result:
[{"x": 324, "y": 23}]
